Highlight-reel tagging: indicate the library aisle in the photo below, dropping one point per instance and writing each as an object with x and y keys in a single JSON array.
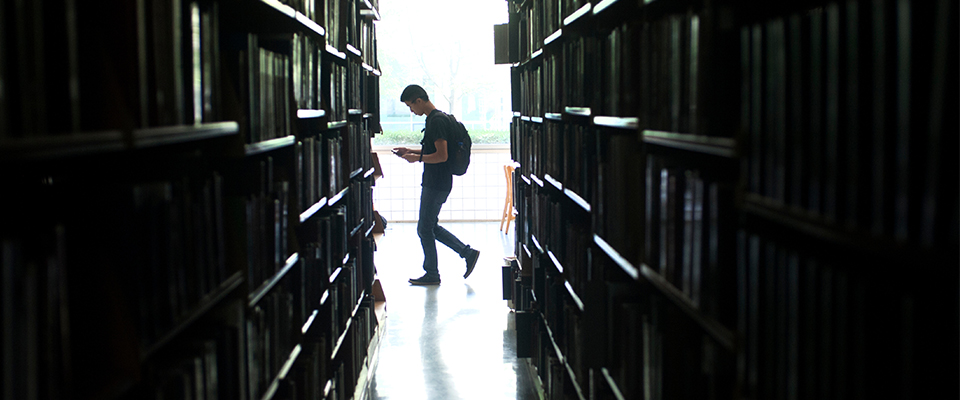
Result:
[{"x": 453, "y": 341}]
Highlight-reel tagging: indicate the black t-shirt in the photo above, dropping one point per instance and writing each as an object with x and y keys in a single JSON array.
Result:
[{"x": 436, "y": 176}]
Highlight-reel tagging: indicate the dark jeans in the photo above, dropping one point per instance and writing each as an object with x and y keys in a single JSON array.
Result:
[{"x": 430, "y": 232}]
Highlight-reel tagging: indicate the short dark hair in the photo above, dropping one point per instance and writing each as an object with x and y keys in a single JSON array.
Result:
[{"x": 414, "y": 92}]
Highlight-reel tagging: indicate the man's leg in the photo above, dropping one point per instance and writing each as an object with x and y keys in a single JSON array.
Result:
[
  {"x": 444, "y": 236},
  {"x": 430, "y": 202},
  {"x": 465, "y": 252}
]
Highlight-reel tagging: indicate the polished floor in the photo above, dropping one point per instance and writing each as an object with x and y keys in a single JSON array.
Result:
[{"x": 455, "y": 340}]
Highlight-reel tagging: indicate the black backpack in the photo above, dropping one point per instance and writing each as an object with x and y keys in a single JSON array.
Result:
[{"x": 458, "y": 147}]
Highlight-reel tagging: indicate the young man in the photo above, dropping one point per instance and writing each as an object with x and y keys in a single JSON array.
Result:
[{"x": 436, "y": 184}]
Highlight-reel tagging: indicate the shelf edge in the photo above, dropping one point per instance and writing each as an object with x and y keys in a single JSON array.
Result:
[
  {"x": 624, "y": 264},
  {"x": 335, "y": 274},
  {"x": 556, "y": 262},
  {"x": 304, "y": 216},
  {"x": 269, "y": 145},
  {"x": 225, "y": 288},
  {"x": 551, "y": 180},
  {"x": 309, "y": 323},
  {"x": 304, "y": 113},
  {"x": 553, "y": 37},
  {"x": 576, "y": 15},
  {"x": 723, "y": 147},
  {"x": 612, "y": 383},
  {"x": 336, "y": 198},
  {"x": 258, "y": 294},
  {"x": 573, "y": 294},
  {"x": 310, "y": 24},
  {"x": 584, "y": 204},
  {"x": 616, "y": 122}
]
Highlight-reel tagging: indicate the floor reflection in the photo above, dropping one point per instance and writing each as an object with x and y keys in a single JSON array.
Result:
[{"x": 462, "y": 329}]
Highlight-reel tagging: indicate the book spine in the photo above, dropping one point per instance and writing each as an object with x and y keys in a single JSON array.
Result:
[
  {"x": 902, "y": 189},
  {"x": 815, "y": 108},
  {"x": 854, "y": 174},
  {"x": 882, "y": 58},
  {"x": 831, "y": 149},
  {"x": 775, "y": 111},
  {"x": 796, "y": 162}
]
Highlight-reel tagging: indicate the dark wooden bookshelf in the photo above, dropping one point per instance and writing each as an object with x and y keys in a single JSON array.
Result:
[
  {"x": 213, "y": 299},
  {"x": 282, "y": 375},
  {"x": 356, "y": 229},
  {"x": 355, "y": 52},
  {"x": 337, "y": 54},
  {"x": 272, "y": 16},
  {"x": 193, "y": 178},
  {"x": 718, "y": 146},
  {"x": 616, "y": 122},
  {"x": 577, "y": 390},
  {"x": 61, "y": 147},
  {"x": 574, "y": 296},
  {"x": 721, "y": 334},
  {"x": 577, "y": 15},
  {"x": 339, "y": 196},
  {"x": 614, "y": 12},
  {"x": 316, "y": 207},
  {"x": 576, "y": 198},
  {"x": 308, "y": 324},
  {"x": 553, "y": 37},
  {"x": 553, "y": 182},
  {"x": 611, "y": 384},
  {"x": 310, "y": 25},
  {"x": 556, "y": 262},
  {"x": 789, "y": 221},
  {"x": 735, "y": 200},
  {"x": 255, "y": 296},
  {"x": 269, "y": 145},
  {"x": 536, "y": 180},
  {"x": 170, "y": 135},
  {"x": 311, "y": 114},
  {"x": 357, "y": 174},
  {"x": 337, "y": 124},
  {"x": 578, "y": 111}
]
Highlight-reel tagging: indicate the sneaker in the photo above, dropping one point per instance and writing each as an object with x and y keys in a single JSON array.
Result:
[
  {"x": 471, "y": 262},
  {"x": 425, "y": 280}
]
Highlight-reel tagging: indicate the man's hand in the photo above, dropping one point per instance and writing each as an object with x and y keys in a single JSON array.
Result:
[
  {"x": 400, "y": 151},
  {"x": 411, "y": 157}
]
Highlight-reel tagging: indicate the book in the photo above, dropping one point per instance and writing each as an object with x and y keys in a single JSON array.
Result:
[
  {"x": 815, "y": 109},
  {"x": 693, "y": 76},
  {"x": 881, "y": 60},
  {"x": 674, "y": 71},
  {"x": 902, "y": 134},
  {"x": 933, "y": 229},
  {"x": 687, "y": 266},
  {"x": 757, "y": 144},
  {"x": 5, "y": 128},
  {"x": 698, "y": 247},
  {"x": 652, "y": 220},
  {"x": 796, "y": 171},
  {"x": 853, "y": 207},
  {"x": 167, "y": 22},
  {"x": 832, "y": 116},
  {"x": 775, "y": 102}
]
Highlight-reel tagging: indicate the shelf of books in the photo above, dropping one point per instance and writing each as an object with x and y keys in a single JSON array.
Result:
[
  {"x": 193, "y": 218},
  {"x": 725, "y": 200}
]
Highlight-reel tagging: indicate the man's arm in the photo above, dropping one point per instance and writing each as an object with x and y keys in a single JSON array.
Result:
[{"x": 433, "y": 158}]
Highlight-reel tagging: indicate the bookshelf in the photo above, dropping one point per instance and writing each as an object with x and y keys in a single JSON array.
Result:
[
  {"x": 193, "y": 209},
  {"x": 730, "y": 200}
]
